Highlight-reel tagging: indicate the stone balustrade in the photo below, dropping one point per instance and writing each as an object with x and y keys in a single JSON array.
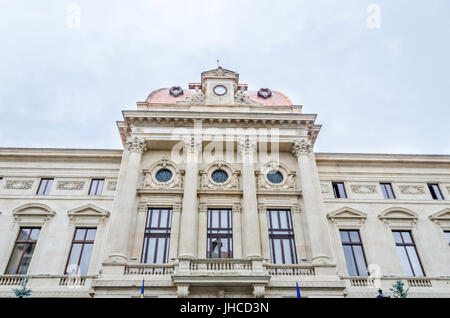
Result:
[
  {"x": 149, "y": 269},
  {"x": 289, "y": 270}
]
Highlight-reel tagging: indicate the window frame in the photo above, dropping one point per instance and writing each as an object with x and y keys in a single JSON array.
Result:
[
  {"x": 47, "y": 187},
  {"x": 219, "y": 232},
  {"x": 383, "y": 186},
  {"x": 447, "y": 236},
  {"x": 351, "y": 244},
  {"x": 435, "y": 191},
  {"x": 336, "y": 191},
  {"x": 26, "y": 242},
  {"x": 148, "y": 234},
  {"x": 404, "y": 245},
  {"x": 96, "y": 189},
  {"x": 288, "y": 234},
  {"x": 83, "y": 242}
]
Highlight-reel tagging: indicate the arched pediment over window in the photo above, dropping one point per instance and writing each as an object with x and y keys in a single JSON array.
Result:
[
  {"x": 33, "y": 213},
  {"x": 347, "y": 216},
  {"x": 400, "y": 217},
  {"x": 441, "y": 218}
]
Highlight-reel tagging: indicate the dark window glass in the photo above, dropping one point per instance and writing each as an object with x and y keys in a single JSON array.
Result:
[
  {"x": 388, "y": 193},
  {"x": 157, "y": 236},
  {"x": 164, "y": 175},
  {"x": 407, "y": 252},
  {"x": 435, "y": 191},
  {"x": 354, "y": 253},
  {"x": 281, "y": 237},
  {"x": 44, "y": 186},
  {"x": 447, "y": 235},
  {"x": 339, "y": 190},
  {"x": 220, "y": 233},
  {"x": 80, "y": 253},
  {"x": 23, "y": 251},
  {"x": 219, "y": 176},
  {"x": 275, "y": 177},
  {"x": 96, "y": 187}
]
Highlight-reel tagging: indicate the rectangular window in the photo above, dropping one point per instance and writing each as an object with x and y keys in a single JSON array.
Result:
[
  {"x": 354, "y": 253},
  {"x": 447, "y": 235},
  {"x": 339, "y": 190},
  {"x": 406, "y": 249},
  {"x": 435, "y": 191},
  {"x": 96, "y": 187},
  {"x": 220, "y": 234},
  {"x": 281, "y": 237},
  {"x": 388, "y": 193},
  {"x": 157, "y": 236},
  {"x": 45, "y": 186},
  {"x": 23, "y": 251},
  {"x": 80, "y": 252}
]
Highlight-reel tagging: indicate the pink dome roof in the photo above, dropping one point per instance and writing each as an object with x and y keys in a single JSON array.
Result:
[{"x": 162, "y": 96}]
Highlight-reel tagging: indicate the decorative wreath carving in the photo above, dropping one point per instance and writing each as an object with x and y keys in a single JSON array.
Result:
[
  {"x": 264, "y": 93},
  {"x": 288, "y": 182},
  {"x": 175, "y": 182},
  {"x": 176, "y": 91},
  {"x": 207, "y": 182}
]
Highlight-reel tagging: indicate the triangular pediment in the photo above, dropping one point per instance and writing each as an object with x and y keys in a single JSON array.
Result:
[
  {"x": 88, "y": 210},
  {"x": 347, "y": 213},
  {"x": 33, "y": 210},
  {"x": 220, "y": 73},
  {"x": 443, "y": 215},
  {"x": 398, "y": 213}
]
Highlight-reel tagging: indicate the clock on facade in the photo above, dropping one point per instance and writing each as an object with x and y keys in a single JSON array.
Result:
[{"x": 220, "y": 90}]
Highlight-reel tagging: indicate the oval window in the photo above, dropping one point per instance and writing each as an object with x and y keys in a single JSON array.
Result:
[
  {"x": 275, "y": 177},
  {"x": 164, "y": 175},
  {"x": 219, "y": 176}
]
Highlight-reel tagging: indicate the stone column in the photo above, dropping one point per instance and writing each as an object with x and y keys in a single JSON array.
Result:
[
  {"x": 189, "y": 216},
  {"x": 262, "y": 209},
  {"x": 124, "y": 209},
  {"x": 250, "y": 220},
  {"x": 312, "y": 202},
  {"x": 202, "y": 229},
  {"x": 237, "y": 231},
  {"x": 174, "y": 231}
]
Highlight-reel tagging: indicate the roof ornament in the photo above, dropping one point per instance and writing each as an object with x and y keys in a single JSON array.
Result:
[
  {"x": 240, "y": 98},
  {"x": 176, "y": 91},
  {"x": 264, "y": 93},
  {"x": 197, "y": 99}
]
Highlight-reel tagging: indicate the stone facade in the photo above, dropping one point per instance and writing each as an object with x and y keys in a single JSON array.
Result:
[{"x": 248, "y": 135}]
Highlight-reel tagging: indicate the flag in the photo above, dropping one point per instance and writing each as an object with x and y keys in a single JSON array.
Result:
[
  {"x": 142, "y": 290},
  {"x": 298, "y": 291}
]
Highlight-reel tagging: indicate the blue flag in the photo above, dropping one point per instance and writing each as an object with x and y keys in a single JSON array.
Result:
[
  {"x": 142, "y": 290},
  {"x": 298, "y": 291}
]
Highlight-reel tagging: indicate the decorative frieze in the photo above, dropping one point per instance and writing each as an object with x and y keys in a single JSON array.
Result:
[
  {"x": 412, "y": 189},
  {"x": 19, "y": 184},
  {"x": 302, "y": 146},
  {"x": 364, "y": 189},
  {"x": 70, "y": 185}
]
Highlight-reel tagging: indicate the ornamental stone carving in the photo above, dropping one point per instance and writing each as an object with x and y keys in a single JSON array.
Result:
[
  {"x": 192, "y": 145},
  {"x": 19, "y": 184},
  {"x": 112, "y": 185},
  {"x": 207, "y": 182},
  {"x": 411, "y": 189},
  {"x": 287, "y": 183},
  {"x": 197, "y": 99},
  {"x": 247, "y": 145},
  {"x": 136, "y": 145},
  {"x": 242, "y": 99},
  {"x": 151, "y": 182},
  {"x": 363, "y": 189},
  {"x": 70, "y": 185},
  {"x": 301, "y": 147},
  {"x": 324, "y": 187}
]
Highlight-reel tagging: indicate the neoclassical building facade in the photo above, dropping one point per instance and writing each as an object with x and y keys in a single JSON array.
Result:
[{"x": 218, "y": 193}]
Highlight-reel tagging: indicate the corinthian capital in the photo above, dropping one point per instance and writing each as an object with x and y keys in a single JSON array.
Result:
[
  {"x": 301, "y": 147},
  {"x": 192, "y": 145},
  {"x": 136, "y": 144}
]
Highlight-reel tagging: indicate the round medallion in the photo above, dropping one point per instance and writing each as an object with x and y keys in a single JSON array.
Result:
[
  {"x": 220, "y": 90},
  {"x": 164, "y": 175},
  {"x": 275, "y": 177},
  {"x": 264, "y": 93},
  {"x": 219, "y": 176}
]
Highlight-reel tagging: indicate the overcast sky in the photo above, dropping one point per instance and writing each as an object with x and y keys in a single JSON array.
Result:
[{"x": 378, "y": 86}]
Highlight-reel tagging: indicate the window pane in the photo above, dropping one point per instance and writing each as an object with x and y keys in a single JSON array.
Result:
[
  {"x": 72, "y": 265},
  {"x": 341, "y": 190},
  {"x": 288, "y": 252},
  {"x": 383, "y": 190},
  {"x": 85, "y": 257},
  {"x": 407, "y": 237},
  {"x": 15, "y": 258},
  {"x": 34, "y": 234},
  {"x": 23, "y": 234},
  {"x": 447, "y": 235},
  {"x": 350, "y": 260},
  {"x": 344, "y": 236},
  {"x": 80, "y": 234},
  {"x": 390, "y": 191},
  {"x": 26, "y": 259},
  {"x": 91, "y": 234},
  {"x": 360, "y": 261},
  {"x": 397, "y": 237},
  {"x": 283, "y": 220},
  {"x": 414, "y": 258},
  {"x": 354, "y": 235},
  {"x": 274, "y": 217},
  {"x": 214, "y": 219},
  {"x": 151, "y": 250},
  {"x": 154, "y": 218},
  {"x": 404, "y": 260},
  {"x": 277, "y": 251}
]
